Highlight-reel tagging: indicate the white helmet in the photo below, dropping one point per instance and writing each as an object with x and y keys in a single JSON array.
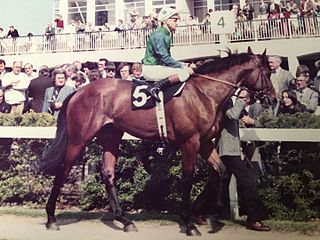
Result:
[{"x": 166, "y": 13}]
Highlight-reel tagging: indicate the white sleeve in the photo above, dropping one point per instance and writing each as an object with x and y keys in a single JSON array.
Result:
[{"x": 23, "y": 83}]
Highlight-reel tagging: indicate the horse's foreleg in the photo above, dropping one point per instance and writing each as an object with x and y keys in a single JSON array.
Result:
[
  {"x": 209, "y": 152},
  {"x": 189, "y": 153}
]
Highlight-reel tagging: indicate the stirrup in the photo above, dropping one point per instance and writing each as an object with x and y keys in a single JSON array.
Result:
[{"x": 154, "y": 91}]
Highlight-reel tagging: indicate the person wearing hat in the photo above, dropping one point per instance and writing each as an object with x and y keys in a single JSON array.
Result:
[
  {"x": 111, "y": 70},
  {"x": 305, "y": 94},
  {"x": 158, "y": 64},
  {"x": 38, "y": 87}
]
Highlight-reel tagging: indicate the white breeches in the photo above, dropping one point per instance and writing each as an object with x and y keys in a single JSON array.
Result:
[{"x": 158, "y": 72}]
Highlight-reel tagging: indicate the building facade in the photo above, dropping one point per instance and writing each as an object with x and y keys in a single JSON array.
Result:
[{"x": 99, "y": 12}]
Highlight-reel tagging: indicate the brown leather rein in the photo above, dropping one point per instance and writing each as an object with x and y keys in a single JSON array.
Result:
[{"x": 216, "y": 80}]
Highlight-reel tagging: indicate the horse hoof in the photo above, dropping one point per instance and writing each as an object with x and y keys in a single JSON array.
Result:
[
  {"x": 192, "y": 231},
  {"x": 52, "y": 226},
  {"x": 130, "y": 228}
]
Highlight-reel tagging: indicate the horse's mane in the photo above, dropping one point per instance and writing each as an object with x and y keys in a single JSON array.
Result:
[{"x": 218, "y": 65}]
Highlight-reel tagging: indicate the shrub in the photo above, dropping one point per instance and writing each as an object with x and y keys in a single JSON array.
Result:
[
  {"x": 19, "y": 182},
  {"x": 150, "y": 180},
  {"x": 292, "y": 197},
  {"x": 291, "y": 186}
]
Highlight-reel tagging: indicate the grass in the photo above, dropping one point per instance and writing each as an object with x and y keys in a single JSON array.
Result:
[{"x": 305, "y": 228}]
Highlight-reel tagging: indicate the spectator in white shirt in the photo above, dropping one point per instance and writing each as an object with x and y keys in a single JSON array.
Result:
[{"x": 15, "y": 84}]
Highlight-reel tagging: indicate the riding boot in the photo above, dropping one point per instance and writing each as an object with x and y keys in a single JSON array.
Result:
[{"x": 162, "y": 85}]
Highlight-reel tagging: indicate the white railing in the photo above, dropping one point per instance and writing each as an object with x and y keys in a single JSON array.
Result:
[
  {"x": 256, "y": 30},
  {"x": 246, "y": 134}
]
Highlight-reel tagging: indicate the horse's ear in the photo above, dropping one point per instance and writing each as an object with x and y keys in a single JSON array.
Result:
[
  {"x": 264, "y": 56},
  {"x": 250, "y": 50}
]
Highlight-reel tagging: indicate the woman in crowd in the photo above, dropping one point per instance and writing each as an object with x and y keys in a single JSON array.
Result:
[{"x": 289, "y": 103}]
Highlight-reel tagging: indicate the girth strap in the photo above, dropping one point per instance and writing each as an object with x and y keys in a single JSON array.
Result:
[{"x": 161, "y": 119}]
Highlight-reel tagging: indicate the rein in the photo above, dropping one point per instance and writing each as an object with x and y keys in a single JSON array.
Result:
[
  {"x": 216, "y": 80},
  {"x": 236, "y": 86}
]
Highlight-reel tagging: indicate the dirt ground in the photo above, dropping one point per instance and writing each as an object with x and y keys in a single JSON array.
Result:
[{"x": 31, "y": 228}]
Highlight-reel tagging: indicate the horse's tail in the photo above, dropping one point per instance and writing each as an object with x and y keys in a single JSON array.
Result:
[{"x": 54, "y": 153}]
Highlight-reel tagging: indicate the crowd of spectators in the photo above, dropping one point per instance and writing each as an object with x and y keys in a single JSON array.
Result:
[
  {"x": 294, "y": 94},
  {"x": 24, "y": 89}
]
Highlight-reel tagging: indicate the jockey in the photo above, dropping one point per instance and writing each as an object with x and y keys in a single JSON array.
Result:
[{"x": 158, "y": 65}]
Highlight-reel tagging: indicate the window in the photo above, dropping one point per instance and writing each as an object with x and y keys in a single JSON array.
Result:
[
  {"x": 105, "y": 12},
  {"x": 56, "y": 7},
  {"x": 200, "y": 9},
  {"x": 164, "y": 2},
  {"x": 134, "y": 4},
  {"x": 77, "y": 10},
  {"x": 225, "y": 4}
]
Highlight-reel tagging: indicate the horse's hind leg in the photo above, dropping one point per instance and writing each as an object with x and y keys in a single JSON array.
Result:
[
  {"x": 62, "y": 173},
  {"x": 189, "y": 153},
  {"x": 109, "y": 137}
]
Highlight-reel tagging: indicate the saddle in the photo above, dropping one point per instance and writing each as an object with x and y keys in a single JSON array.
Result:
[{"x": 140, "y": 96}]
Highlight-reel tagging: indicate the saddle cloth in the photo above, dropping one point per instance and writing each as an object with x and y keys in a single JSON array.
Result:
[{"x": 141, "y": 99}]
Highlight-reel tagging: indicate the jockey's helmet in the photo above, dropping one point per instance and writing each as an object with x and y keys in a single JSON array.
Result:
[{"x": 166, "y": 13}]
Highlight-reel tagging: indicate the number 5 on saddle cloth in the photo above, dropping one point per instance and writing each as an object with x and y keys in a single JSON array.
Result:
[{"x": 141, "y": 99}]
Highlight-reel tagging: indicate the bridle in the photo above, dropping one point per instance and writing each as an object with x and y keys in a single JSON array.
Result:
[{"x": 260, "y": 95}]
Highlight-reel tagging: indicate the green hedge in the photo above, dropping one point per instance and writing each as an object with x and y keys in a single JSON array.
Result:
[
  {"x": 30, "y": 119},
  {"x": 298, "y": 120},
  {"x": 290, "y": 188}
]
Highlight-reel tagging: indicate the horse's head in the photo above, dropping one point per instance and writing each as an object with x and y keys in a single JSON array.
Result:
[
  {"x": 258, "y": 80},
  {"x": 246, "y": 70}
]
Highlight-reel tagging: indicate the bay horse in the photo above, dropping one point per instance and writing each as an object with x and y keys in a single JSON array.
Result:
[{"x": 102, "y": 109}]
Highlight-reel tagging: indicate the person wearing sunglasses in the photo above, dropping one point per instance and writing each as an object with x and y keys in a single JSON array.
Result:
[
  {"x": 305, "y": 94},
  {"x": 111, "y": 70}
]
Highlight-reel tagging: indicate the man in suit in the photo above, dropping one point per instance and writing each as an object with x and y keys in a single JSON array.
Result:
[
  {"x": 4, "y": 107},
  {"x": 50, "y": 34},
  {"x": 305, "y": 95},
  {"x": 55, "y": 95},
  {"x": 2, "y": 69},
  {"x": 281, "y": 79},
  {"x": 38, "y": 87},
  {"x": 230, "y": 154},
  {"x": 316, "y": 80}
]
